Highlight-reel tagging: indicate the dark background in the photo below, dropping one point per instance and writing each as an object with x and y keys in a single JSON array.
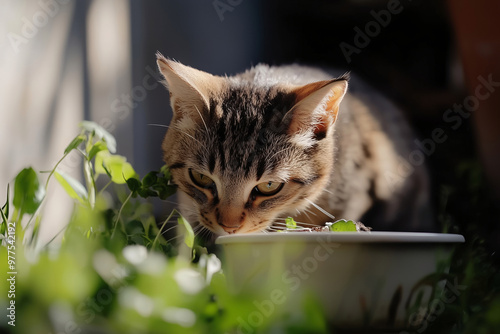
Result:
[
  {"x": 427, "y": 58},
  {"x": 414, "y": 59}
]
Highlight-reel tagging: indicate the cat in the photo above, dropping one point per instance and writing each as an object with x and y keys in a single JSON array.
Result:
[{"x": 249, "y": 150}]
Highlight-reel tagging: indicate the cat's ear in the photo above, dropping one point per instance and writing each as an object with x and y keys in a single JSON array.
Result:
[
  {"x": 316, "y": 107},
  {"x": 189, "y": 88}
]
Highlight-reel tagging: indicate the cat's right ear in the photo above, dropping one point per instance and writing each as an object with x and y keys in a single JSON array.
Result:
[
  {"x": 189, "y": 88},
  {"x": 316, "y": 109}
]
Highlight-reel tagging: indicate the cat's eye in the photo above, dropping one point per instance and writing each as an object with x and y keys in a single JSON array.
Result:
[
  {"x": 200, "y": 180},
  {"x": 268, "y": 188}
]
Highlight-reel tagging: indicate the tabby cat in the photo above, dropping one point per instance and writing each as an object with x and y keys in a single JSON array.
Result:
[{"x": 249, "y": 150}]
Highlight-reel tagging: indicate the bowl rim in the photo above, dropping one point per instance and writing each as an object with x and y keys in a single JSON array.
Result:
[{"x": 342, "y": 237}]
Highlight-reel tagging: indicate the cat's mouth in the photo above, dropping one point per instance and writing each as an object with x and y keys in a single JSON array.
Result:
[
  {"x": 231, "y": 229},
  {"x": 240, "y": 229}
]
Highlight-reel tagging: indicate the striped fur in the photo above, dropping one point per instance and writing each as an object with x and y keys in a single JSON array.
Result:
[{"x": 282, "y": 124}]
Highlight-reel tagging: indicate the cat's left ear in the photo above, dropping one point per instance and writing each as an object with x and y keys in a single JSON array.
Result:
[
  {"x": 188, "y": 86},
  {"x": 316, "y": 107}
]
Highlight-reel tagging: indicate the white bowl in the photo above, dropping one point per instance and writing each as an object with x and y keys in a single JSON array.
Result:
[{"x": 377, "y": 280}]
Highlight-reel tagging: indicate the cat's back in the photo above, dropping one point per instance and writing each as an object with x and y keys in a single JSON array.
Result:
[{"x": 265, "y": 75}]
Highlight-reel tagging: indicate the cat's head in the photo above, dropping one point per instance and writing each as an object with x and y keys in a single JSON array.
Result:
[{"x": 244, "y": 153}]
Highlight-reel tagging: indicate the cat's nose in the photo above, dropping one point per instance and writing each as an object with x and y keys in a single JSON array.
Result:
[
  {"x": 229, "y": 218},
  {"x": 230, "y": 229}
]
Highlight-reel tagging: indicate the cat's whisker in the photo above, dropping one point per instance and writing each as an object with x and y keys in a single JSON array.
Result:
[
  {"x": 276, "y": 228},
  {"x": 187, "y": 134},
  {"x": 171, "y": 219},
  {"x": 307, "y": 214},
  {"x": 278, "y": 224},
  {"x": 278, "y": 218},
  {"x": 308, "y": 224},
  {"x": 188, "y": 211},
  {"x": 211, "y": 236},
  {"x": 176, "y": 237},
  {"x": 201, "y": 116},
  {"x": 311, "y": 212},
  {"x": 206, "y": 233},
  {"x": 159, "y": 125},
  {"x": 197, "y": 229},
  {"x": 265, "y": 230},
  {"x": 203, "y": 232},
  {"x": 200, "y": 233},
  {"x": 329, "y": 215},
  {"x": 169, "y": 229}
]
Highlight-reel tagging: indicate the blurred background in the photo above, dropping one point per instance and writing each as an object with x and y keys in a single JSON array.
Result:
[{"x": 62, "y": 61}]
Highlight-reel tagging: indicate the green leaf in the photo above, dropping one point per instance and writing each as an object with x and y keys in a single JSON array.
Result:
[
  {"x": 28, "y": 192},
  {"x": 115, "y": 166},
  {"x": 343, "y": 225},
  {"x": 189, "y": 234},
  {"x": 150, "y": 179},
  {"x": 4, "y": 213},
  {"x": 99, "y": 163},
  {"x": 96, "y": 148},
  {"x": 133, "y": 184},
  {"x": 6, "y": 206},
  {"x": 166, "y": 172},
  {"x": 72, "y": 186},
  {"x": 101, "y": 133},
  {"x": 100, "y": 168},
  {"x": 75, "y": 143},
  {"x": 159, "y": 187},
  {"x": 290, "y": 223},
  {"x": 134, "y": 227},
  {"x": 165, "y": 191},
  {"x": 145, "y": 193}
]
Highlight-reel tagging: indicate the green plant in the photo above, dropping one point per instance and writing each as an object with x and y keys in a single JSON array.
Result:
[
  {"x": 113, "y": 268},
  {"x": 340, "y": 225}
]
